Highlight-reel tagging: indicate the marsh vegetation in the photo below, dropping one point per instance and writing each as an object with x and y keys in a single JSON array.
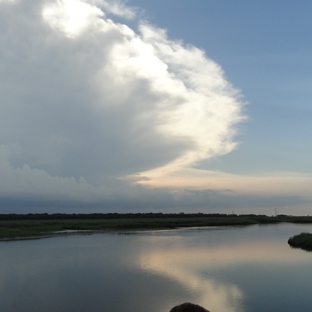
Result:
[
  {"x": 14, "y": 226},
  {"x": 303, "y": 241}
]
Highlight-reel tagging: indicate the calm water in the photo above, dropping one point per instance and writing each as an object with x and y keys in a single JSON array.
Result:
[{"x": 248, "y": 269}]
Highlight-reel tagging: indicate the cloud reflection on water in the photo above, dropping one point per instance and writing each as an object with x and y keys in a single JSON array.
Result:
[
  {"x": 185, "y": 265},
  {"x": 194, "y": 265}
]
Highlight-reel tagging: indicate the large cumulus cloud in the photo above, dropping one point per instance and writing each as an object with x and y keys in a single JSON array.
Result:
[
  {"x": 84, "y": 96},
  {"x": 86, "y": 100}
]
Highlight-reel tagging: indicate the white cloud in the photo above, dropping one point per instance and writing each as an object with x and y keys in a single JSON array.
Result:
[
  {"x": 71, "y": 16},
  {"x": 84, "y": 96},
  {"x": 209, "y": 105}
]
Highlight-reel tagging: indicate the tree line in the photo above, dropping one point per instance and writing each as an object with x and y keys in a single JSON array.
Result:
[{"x": 81, "y": 216}]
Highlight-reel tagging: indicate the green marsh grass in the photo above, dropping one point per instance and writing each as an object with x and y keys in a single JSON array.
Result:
[{"x": 15, "y": 229}]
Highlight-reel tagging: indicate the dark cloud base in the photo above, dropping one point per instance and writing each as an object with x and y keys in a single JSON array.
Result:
[{"x": 189, "y": 201}]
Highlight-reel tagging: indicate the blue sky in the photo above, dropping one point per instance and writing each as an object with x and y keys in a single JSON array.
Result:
[{"x": 155, "y": 106}]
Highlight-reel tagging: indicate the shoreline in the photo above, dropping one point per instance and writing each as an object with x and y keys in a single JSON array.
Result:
[{"x": 26, "y": 229}]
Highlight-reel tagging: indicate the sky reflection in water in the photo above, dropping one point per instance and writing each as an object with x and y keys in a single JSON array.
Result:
[{"x": 235, "y": 269}]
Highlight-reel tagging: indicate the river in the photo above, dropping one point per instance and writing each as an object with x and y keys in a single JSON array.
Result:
[{"x": 224, "y": 269}]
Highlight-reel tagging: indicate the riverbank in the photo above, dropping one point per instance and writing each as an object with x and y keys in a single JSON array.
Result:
[{"x": 27, "y": 226}]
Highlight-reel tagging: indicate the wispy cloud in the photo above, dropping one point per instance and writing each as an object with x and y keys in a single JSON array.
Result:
[
  {"x": 25, "y": 189},
  {"x": 118, "y": 8}
]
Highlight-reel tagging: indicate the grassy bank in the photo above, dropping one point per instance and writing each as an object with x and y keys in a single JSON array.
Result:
[
  {"x": 22, "y": 228},
  {"x": 303, "y": 241}
]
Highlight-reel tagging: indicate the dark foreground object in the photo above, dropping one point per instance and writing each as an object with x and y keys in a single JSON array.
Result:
[
  {"x": 188, "y": 307},
  {"x": 303, "y": 241}
]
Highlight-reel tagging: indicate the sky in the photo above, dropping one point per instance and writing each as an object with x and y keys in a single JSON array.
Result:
[{"x": 155, "y": 106}]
